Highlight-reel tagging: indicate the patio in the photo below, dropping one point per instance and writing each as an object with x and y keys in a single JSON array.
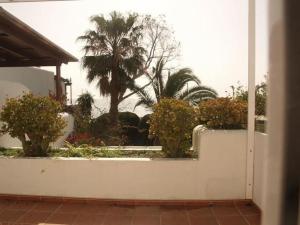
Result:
[{"x": 209, "y": 213}]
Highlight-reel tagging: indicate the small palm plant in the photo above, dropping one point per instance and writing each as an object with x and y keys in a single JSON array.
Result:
[{"x": 85, "y": 102}]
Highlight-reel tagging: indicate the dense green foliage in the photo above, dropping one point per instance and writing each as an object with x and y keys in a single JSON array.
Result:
[
  {"x": 82, "y": 122},
  {"x": 172, "y": 122},
  {"x": 127, "y": 133},
  {"x": 223, "y": 113},
  {"x": 82, "y": 113},
  {"x": 239, "y": 93},
  {"x": 34, "y": 120},
  {"x": 99, "y": 125},
  {"x": 11, "y": 152},
  {"x": 129, "y": 119},
  {"x": 85, "y": 103},
  {"x": 101, "y": 128},
  {"x": 145, "y": 122}
]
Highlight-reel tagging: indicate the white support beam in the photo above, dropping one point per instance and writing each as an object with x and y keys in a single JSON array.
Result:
[{"x": 251, "y": 99}]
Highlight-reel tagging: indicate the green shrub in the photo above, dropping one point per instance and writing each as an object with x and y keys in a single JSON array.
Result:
[
  {"x": 172, "y": 122},
  {"x": 101, "y": 128},
  {"x": 100, "y": 125},
  {"x": 131, "y": 130},
  {"x": 34, "y": 120},
  {"x": 129, "y": 122},
  {"x": 144, "y": 122},
  {"x": 144, "y": 127},
  {"x": 132, "y": 135},
  {"x": 82, "y": 113},
  {"x": 82, "y": 122},
  {"x": 129, "y": 119},
  {"x": 223, "y": 113}
]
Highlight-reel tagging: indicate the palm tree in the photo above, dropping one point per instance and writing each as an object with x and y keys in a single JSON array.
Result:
[
  {"x": 174, "y": 87},
  {"x": 113, "y": 56},
  {"x": 85, "y": 103}
]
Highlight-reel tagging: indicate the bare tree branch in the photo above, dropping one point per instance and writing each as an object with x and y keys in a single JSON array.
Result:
[
  {"x": 136, "y": 91},
  {"x": 161, "y": 47}
]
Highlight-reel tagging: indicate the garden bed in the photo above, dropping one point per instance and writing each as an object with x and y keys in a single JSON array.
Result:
[{"x": 99, "y": 152}]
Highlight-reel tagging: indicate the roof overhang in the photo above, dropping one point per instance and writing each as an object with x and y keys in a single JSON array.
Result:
[{"x": 20, "y": 45}]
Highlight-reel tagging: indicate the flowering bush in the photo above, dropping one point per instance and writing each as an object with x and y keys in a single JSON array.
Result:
[
  {"x": 172, "y": 122},
  {"x": 223, "y": 113},
  {"x": 34, "y": 120},
  {"x": 78, "y": 139}
]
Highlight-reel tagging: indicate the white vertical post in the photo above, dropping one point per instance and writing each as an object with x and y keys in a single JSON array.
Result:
[
  {"x": 251, "y": 99},
  {"x": 276, "y": 111}
]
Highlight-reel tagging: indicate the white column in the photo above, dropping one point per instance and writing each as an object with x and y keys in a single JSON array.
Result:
[
  {"x": 251, "y": 99},
  {"x": 273, "y": 176}
]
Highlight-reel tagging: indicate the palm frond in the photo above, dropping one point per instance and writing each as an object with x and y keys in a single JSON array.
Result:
[
  {"x": 104, "y": 86},
  {"x": 147, "y": 103},
  {"x": 177, "y": 81},
  {"x": 196, "y": 98},
  {"x": 197, "y": 94},
  {"x": 196, "y": 89},
  {"x": 100, "y": 23},
  {"x": 144, "y": 98},
  {"x": 132, "y": 65},
  {"x": 97, "y": 66}
]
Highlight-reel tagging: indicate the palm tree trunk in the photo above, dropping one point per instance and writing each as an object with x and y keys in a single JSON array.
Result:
[
  {"x": 114, "y": 98},
  {"x": 113, "y": 111}
]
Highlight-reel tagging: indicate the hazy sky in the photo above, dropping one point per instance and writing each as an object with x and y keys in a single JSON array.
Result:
[{"x": 213, "y": 34}]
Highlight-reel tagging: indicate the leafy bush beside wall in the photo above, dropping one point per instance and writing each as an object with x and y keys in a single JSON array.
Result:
[
  {"x": 34, "y": 120},
  {"x": 223, "y": 113},
  {"x": 129, "y": 119},
  {"x": 172, "y": 122}
]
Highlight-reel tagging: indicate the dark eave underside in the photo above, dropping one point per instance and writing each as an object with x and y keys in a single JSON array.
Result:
[{"x": 20, "y": 45}]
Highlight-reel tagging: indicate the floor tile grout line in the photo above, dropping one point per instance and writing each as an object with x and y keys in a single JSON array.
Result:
[
  {"x": 24, "y": 213},
  {"x": 187, "y": 216},
  {"x": 241, "y": 214},
  {"x": 214, "y": 214},
  {"x": 131, "y": 222},
  {"x": 52, "y": 213},
  {"x": 160, "y": 223},
  {"x": 104, "y": 217}
]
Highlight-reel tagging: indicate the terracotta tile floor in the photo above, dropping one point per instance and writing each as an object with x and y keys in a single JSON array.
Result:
[{"x": 46, "y": 213}]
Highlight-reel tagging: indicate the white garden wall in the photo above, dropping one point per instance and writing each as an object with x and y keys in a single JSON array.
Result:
[
  {"x": 219, "y": 173},
  {"x": 36, "y": 80},
  {"x": 260, "y": 157}
]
